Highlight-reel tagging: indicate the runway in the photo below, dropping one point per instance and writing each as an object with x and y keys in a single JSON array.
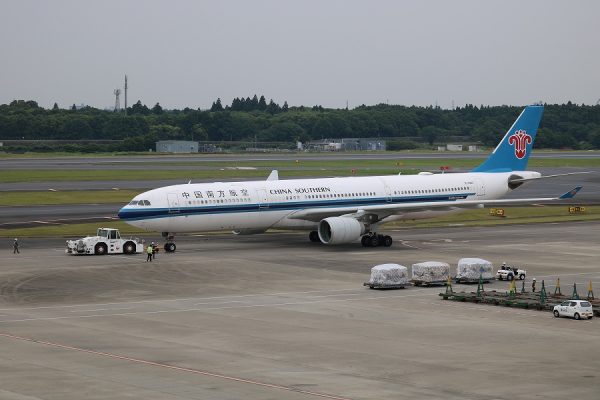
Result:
[
  {"x": 228, "y": 317},
  {"x": 133, "y": 161}
]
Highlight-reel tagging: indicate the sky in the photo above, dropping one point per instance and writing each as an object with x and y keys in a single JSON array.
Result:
[{"x": 188, "y": 53}]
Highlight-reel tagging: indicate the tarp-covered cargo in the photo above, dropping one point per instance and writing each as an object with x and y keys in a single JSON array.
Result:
[
  {"x": 430, "y": 272},
  {"x": 388, "y": 275},
  {"x": 473, "y": 268}
]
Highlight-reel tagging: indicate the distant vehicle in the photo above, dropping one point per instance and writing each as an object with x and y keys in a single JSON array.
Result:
[
  {"x": 510, "y": 273},
  {"x": 574, "y": 308},
  {"x": 106, "y": 241}
]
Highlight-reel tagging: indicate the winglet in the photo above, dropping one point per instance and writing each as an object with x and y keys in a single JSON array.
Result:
[
  {"x": 273, "y": 176},
  {"x": 571, "y": 193}
]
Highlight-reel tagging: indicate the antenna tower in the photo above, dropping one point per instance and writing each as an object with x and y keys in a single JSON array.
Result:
[
  {"x": 126, "y": 93},
  {"x": 117, "y": 93}
]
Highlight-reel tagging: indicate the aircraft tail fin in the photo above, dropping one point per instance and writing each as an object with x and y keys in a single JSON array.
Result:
[{"x": 512, "y": 153}]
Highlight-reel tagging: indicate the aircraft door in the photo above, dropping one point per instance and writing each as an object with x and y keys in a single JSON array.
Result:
[
  {"x": 480, "y": 188},
  {"x": 387, "y": 190},
  {"x": 263, "y": 200},
  {"x": 173, "y": 200},
  {"x": 388, "y": 194}
]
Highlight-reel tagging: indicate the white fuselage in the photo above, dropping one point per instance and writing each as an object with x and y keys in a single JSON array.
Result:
[{"x": 255, "y": 206}]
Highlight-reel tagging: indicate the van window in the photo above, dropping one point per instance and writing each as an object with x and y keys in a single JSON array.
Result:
[{"x": 585, "y": 304}]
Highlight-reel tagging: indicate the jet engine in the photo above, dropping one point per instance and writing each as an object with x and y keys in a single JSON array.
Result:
[{"x": 337, "y": 230}]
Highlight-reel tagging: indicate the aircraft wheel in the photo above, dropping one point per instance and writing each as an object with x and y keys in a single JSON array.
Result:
[
  {"x": 365, "y": 241},
  {"x": 170, "y": 247},
  {"x": 313, "y": 236},
  {"x": 387, "y": 241},
  {"x": 374, "y": 241}
]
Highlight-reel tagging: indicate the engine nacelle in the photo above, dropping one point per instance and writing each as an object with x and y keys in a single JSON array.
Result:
[{"x": 337, "y": 230}]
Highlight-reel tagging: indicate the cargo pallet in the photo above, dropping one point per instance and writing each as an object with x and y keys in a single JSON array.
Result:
[
  {"x": 418, "y": 282},
  {"x": 384, "y": 286},
  {"x": 471, "y": 280},
  {"x": 521, "y": 300}
]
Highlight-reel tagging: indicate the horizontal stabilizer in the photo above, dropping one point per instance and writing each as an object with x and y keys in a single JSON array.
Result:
[
  {"x": 571, "y": 193},
  {"x": 517, "y": 180}
]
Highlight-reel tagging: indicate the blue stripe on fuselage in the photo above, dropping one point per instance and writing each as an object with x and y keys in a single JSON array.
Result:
[{"x": 137, "y": 214}]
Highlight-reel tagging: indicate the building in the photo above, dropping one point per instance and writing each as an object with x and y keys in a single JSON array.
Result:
[
  {"x": 176, "y": 146},
  {"x": 347, "y": 144}
]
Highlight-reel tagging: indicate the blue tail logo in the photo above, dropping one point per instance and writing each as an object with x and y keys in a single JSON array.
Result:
[{"x": 512, "y": 153}]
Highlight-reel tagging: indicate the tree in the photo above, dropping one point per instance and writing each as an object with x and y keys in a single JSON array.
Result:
[
  {"x": 262, "y": 103},
  {"x": 199, "y": 133},
  {"x": 73, "y": 107},
  {"x": 139, "y": 108},
  {"x": 217, "y": 106},
  {"x": 157, "y": 109},
  {"x": 55, "y": 107},
  {"x": 166, "y": 132},
  {"x": 285, "y": 107},
  {"x": 254, "y": 103},
  {"x": 273, "y": 108}
]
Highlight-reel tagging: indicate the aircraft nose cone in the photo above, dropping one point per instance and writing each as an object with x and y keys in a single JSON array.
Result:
[{"x": 122, "y": 213}]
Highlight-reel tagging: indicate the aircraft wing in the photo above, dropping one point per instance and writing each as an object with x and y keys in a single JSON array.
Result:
[{"x": 385, "y": 210}]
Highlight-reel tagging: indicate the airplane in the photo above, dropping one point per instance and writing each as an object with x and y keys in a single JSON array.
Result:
[{"x": 345, "y": 209}]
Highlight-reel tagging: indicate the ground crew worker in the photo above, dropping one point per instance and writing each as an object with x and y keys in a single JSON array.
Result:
[
  {"x": 149, "y": 252},
  {"x": 533, "y": 285},
  {"x": 16, "y": 247},
  {"x": 154, "y": 250}
]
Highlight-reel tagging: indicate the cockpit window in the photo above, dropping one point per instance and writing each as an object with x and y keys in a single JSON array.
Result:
[{"x": 139, "y": 203}]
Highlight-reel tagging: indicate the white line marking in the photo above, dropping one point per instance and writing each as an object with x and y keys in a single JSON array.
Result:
[
  {"x": 223, "y": 302},
  {"x": 103, "y": 309},
  {"x": 181, "y": 299},
  {"x": 216, "y": 308}
]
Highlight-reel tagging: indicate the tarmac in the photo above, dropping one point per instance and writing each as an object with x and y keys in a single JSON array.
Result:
[{"x": 277, "y": 317}]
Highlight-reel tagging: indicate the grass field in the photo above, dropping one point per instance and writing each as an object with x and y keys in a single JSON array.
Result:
[
  {"x": 258, "y": 169},
  {"x": 67, "y": 197},
  {"x": 480, "y": 217}
]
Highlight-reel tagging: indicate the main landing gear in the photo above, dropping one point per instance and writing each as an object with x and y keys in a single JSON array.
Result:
[
  {"x": 375, "y": 240},
  {"x": 313, "y": 236},
  {"x": 170, "y": 245}
]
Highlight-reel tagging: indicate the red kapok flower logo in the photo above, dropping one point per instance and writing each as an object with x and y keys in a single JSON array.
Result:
[{"x": 520, "y": 139}]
